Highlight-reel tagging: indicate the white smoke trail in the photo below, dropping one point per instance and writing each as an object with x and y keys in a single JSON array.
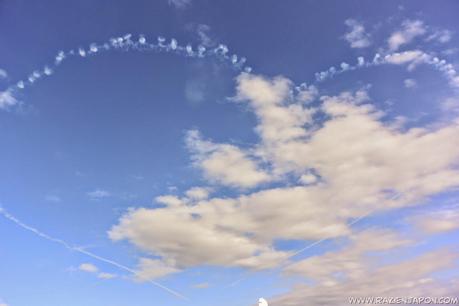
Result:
[
  {"x": 80, "y": 250},
  {"x": 126, "y": 43},
  {"x": 411, "y": 58}
]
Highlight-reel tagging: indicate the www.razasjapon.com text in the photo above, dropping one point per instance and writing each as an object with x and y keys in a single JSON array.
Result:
[{"x": 379, "y": 300}]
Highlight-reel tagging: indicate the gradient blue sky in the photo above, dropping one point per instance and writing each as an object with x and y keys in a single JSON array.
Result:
[{"x": 255, "y": 167}]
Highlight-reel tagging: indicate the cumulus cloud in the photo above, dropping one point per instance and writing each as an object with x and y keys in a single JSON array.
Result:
[
  {"x": 410, "y": 30},
  {"x": 365, "y": 165},
  {"x": 357, "y": 36},
  {"x": 225, "y": 163}
]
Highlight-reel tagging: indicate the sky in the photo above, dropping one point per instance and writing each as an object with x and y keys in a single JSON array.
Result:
[{"x": 198, "y": 152}]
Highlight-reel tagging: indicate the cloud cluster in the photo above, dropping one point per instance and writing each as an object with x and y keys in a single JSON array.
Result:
[{"x": 346, "y": 160}]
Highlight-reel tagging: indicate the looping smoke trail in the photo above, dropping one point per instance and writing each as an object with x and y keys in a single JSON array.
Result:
[
  {"x": 127, "y": 43},
  {"x": 80, "y": 250},
  {"x": 417, "y": 57}
]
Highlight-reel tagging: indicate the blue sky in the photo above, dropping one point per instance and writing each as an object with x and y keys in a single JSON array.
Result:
[{"x": 144, "y": 161}]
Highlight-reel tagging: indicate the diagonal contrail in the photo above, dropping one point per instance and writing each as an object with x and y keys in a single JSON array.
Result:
[{"x": 80, "y": 250}]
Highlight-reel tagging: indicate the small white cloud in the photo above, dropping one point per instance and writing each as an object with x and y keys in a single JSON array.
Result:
[
  {"x": 179, "y": 4},
  {"x": 104, "y": 275},
  {"x": 7, "y": 99},
  {"x": 88, "y": 267},
  {"x": 98, "y": 194},
  {"x": 442, "y": 36},
  {"x": 410, "y": 83},
  {"x": 3, "y": 74},
  {"x": 410, "y": 30},
  {"x": 356, "y": 37}
]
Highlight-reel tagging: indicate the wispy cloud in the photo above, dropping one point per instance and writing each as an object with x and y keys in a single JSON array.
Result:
[
  {"x": 357, "y": 37},
  {"x": 3, "y": 74},
  {"x": 98, "y": 194},
  {"x": 410, "y": 30},
  {"x": 410, "y": 83},
  {"x": 7, "y": 99},
  {"x": 180, "y": 4}
]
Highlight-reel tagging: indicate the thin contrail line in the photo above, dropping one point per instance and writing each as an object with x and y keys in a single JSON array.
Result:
[
  {"x": 80, "y": 250},
  {"x": 285, "y": 263}
]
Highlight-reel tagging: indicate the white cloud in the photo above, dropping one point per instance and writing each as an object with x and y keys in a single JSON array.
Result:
[
  {"x": 98, "y": 194},
  {"x": 437, "y": 221},
  {"x": 442, "y": 36},
  {"x": 104, "y": 275},
  {"x": 414, "y": 277},
  {"x": 362, "y": 160},
  {"x": 198, "y": 193},
  {"x": 356, "y": 37},
  {"x": 412, "y": 56},
  {"x": 93, "y": 269},
  {"x": 88, "y": 267},
  {"x": 450, "y": 104},
  {"x": 180, "y": 4},
  {"x": 225, "y": 163},
  {"x": 150, "y": 269},
  {"x": 410, "y": 30},
  {"x": 3, "y": 74},
  {"x": 7, "y": 99},
  {"x": 410, "y": 83}
]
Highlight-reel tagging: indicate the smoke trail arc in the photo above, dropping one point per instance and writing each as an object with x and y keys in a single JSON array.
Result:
[{"x": 124, "y": 43}]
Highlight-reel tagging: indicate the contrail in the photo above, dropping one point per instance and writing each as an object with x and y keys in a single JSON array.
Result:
[
  {"x": 80, "y": 250},
  {"x": 285, "y": 263}
]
